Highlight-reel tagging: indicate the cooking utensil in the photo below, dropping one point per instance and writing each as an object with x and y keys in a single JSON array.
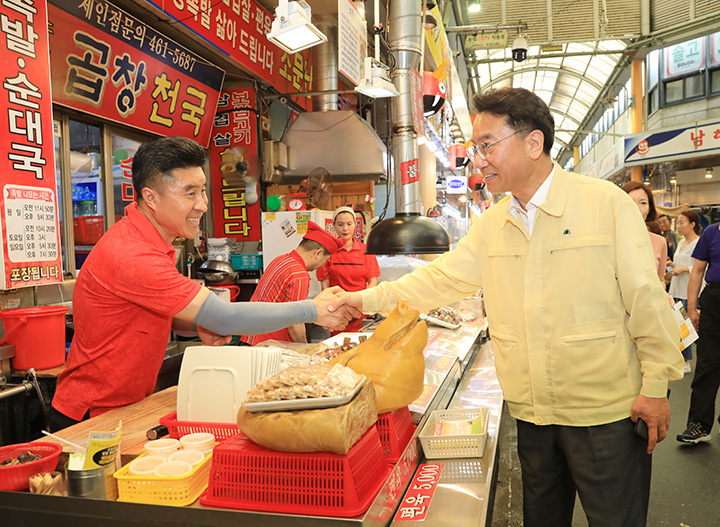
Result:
[{"x": 217, "y": 272}]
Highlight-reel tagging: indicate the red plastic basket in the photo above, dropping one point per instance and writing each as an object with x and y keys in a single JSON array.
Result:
[
  {"x": 88, "y": 229},
  {"x": 177, "y": 429},
  {"x": 15, "y": 477},
  {"x": 395, "y": 429},
  {"x": 245, "y": 475}
]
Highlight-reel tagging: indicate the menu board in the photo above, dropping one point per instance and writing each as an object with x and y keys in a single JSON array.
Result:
[{"x": 29, "y": 252}]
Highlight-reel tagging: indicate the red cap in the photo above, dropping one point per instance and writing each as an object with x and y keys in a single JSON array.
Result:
[{"x": 324, "y": 238}]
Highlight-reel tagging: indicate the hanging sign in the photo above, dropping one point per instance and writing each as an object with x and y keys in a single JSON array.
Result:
[
  {"x": 30, "y": 248},
  {"x": 238, "y": 28},
  {"x": 234, "y": 159},
  {"x": 352, "y": 41},
  {"x": 496, "y": 40},
  {"x": 699, "y": 140},
  {"x": 110, "y": 64}
]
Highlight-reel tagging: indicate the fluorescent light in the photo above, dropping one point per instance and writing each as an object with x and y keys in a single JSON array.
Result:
[
  {"x": 292, "y": 29},
  {"x": 474, "y": 7},
  {"x": 376, "y": 82}
]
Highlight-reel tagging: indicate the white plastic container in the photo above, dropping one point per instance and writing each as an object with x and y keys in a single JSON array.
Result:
[
  {"x": 162, "y": 447},
  {"x": 173, "y": 469},
  {"x": 201, "y": 441},
  {"x": 145, "y": 466},
  {"x": 453, "y": 446},
  {"x": 188, "y": 456}
]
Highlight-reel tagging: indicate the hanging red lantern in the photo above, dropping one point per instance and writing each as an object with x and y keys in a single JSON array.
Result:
[
  {"x": 434, "y": 94},
  {"x": 458, "y": 157}
]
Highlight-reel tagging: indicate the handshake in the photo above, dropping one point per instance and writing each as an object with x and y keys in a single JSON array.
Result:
[{"x": 335, "y": 308}]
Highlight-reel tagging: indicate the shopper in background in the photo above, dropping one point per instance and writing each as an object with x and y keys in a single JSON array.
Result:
[
  {"x": 129, "y": 293},
  {"x": 688, "y": 225},
  {"x": 287, "y": 279},
  {"x": 583, "y": 338},
  {"x": 642, "y": 196},
  {"x": 349, "y": 268},
  {"x": 670, "y": 235},
  {"x": 705, "y": 315}
]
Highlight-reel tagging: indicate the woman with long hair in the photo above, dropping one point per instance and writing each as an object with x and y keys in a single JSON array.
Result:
[
  {"x": 688, "y": 226},
  {"x": 642, "y": 195}
]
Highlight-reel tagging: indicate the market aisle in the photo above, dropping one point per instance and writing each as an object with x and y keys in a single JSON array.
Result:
[{"x": 686, "y": 479}]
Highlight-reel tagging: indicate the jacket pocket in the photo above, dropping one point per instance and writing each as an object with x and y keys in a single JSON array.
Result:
[
  {"x": 511, "y": 363},
  {"x": 589, "y": 364}
]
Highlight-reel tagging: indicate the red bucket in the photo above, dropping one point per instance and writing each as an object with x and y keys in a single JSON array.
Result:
[{"x": 38, "y": 334}]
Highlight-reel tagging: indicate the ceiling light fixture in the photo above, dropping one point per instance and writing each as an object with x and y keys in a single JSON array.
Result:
[
  {"x": 708, "y": 173},
  {"x": 474, "y": 7},
  {"x": 376, "y": 82},
  {"x": 292, "y": 29}
]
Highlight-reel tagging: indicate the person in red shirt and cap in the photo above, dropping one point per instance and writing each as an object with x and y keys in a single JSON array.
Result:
[
  {"x": 287, "y": 279},
  {"x": 350, "y": 268}
]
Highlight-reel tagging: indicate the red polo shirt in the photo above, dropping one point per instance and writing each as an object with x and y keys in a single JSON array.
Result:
[
  {"x": 285, "y": 280},
  {"x": 124, "y": 300},
  {"x": 352, "y": 269}
]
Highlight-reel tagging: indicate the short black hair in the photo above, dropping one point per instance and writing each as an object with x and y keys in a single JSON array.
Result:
[
  {"x": 312, "y": 245},
  {"x": 155, "y": 160},
  {"x": 521, "y": 109},
  {"x": 665, "y": 216}
]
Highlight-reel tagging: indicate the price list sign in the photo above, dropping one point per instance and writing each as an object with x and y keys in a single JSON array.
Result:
[{"x": 29, "y": 252}]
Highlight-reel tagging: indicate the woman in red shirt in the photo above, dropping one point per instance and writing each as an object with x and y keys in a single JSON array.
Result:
[{"x": 349, "y": 268}]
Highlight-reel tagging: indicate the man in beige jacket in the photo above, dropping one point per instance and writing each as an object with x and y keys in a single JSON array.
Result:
[{"x": 583, "y": 336}]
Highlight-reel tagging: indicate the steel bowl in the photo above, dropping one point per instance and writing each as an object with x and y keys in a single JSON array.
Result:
[{"x": 217, "y": 272}]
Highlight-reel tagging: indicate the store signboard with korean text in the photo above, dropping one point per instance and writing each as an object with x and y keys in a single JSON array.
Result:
[
  {"x": 234, "y": 149},
  {"x": 30, "y": 225},
  {"x": 681, "y": 59},
  {"x": 238, "y": 28},
  {"x": 108, "y": 63},
  {"x": 698, "y": 139}
]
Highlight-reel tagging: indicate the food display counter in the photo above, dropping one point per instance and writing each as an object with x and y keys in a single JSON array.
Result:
[{"x": 459, "y": 373}]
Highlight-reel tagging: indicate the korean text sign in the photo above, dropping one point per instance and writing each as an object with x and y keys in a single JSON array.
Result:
[
  {"x": 110, "y": 64},
  {"x": 234, "y": 140},
  {"x": 238, "y": 28},
  {"x": 30, "y": 239}
]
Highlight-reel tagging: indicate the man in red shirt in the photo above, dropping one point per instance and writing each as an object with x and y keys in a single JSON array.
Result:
[
  {"x": 287, "y": 279},
  {"x": 129, "y": 294}
]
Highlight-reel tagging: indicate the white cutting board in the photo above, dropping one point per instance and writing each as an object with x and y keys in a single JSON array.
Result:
[{"x": 213, "y": 383}]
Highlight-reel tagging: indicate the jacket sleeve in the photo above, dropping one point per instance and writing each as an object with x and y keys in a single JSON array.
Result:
[
  {"x": 651, "y": 323},
  {"x": 451, "y": 277}
]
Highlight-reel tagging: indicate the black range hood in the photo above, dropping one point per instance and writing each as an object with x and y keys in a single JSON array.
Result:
[{"x": 408, "y": 233}]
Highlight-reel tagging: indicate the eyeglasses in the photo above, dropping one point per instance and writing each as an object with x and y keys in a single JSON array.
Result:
[{"x": 483, "y": 149}]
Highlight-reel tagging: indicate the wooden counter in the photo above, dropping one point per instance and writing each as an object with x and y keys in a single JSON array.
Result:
[{"x": 136, "y": 420}]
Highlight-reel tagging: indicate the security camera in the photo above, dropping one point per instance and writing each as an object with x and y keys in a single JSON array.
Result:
[{"x": 519, "y": 49}]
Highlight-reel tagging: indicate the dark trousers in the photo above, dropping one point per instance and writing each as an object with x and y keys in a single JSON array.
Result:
[
  {"x": 58, "y": 421},
  {"x": 607, "y": 465},
  {"x": 707, "y": 367}
]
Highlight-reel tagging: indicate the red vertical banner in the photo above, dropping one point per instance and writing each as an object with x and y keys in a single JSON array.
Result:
[
  {"x": 235, "y": 166},
  {"x": 28, "y": 204},
  {"x": 416, "y": 94}
]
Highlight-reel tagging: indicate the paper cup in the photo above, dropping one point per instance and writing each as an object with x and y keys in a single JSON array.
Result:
[
  {"x": 173, "y": 469},
  {"x": 188, "y": 456},
  {"x": 202, "y": 441},
  {"x": 145, "y": 466},
  {"x": 162, "y": 447}
]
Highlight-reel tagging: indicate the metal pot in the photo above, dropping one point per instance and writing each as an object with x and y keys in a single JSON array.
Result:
[{"x": 217, "y": 272}]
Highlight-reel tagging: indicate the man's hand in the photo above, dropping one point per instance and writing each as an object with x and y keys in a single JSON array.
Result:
[
  {"x": 333, "y": 308},
  {"x": 656, "y": 414},
  {"x": 212, "y": 339}
]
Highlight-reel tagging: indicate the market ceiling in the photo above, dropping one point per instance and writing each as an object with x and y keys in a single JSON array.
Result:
[{"x": 578, "y": 50}]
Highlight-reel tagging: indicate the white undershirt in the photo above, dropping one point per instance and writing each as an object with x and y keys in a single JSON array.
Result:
[{"x": 527, "y": 214}]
